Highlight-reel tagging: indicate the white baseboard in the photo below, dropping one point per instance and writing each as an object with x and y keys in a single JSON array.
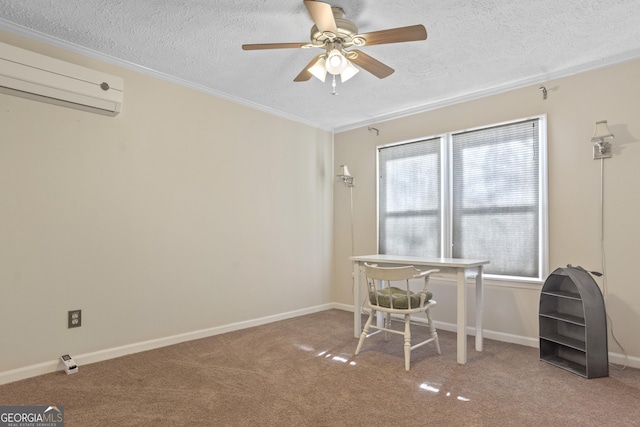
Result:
[
  {"x": 111, "y": 353},
  {"x": 84, "y": 359},
  {"x": 29, "y": 371},
  {"x": 492, "y": 335},
  {"x": 614, "y": 358},
  {"x": 343, "y": 307},
  {"x": 620, "y": 360}
]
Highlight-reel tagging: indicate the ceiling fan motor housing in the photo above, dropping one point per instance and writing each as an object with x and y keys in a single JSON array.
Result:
[{"x": 347, "y": 31}]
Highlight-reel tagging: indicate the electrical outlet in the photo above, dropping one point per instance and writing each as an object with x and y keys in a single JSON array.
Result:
[{"x": 75, "y": 318}]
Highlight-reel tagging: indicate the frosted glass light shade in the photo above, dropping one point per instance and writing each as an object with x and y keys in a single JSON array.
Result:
[
  {"x": 348, "y": 72},
  {"x": 336, "y": 62},
  {"x": 319, "y": 70}
]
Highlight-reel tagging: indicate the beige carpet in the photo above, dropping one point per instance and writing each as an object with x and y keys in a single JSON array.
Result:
[{"x": 301, "y": 372}]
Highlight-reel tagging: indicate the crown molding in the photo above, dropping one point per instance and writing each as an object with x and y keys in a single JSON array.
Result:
[
  {"x": 506, "y": 87},
  {"x": 53, "y": 41}
]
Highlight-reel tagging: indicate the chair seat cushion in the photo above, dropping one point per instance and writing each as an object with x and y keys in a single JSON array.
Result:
[{"x": 399, "y": 297}]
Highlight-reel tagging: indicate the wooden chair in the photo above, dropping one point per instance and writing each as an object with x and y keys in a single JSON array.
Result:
[{"x": 399, "y": 299}]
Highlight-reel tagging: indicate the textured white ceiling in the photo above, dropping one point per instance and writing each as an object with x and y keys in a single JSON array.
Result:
[{"x": 473, "y": 48}]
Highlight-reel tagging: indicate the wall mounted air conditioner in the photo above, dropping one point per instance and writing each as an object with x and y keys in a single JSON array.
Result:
[{"x": 42, "y": 78}]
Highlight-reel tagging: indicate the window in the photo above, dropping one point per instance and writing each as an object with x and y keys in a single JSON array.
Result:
[{"x": 478, "y": 194}]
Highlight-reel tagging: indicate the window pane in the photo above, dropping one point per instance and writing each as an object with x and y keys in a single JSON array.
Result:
[
  {"x": 508, "y": 239},
  {"x": 495, "y": 201},
  {"x": 409, "y": 199},
  {"x": 406, "y": 235}
]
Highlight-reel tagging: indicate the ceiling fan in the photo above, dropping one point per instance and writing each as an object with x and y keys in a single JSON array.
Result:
[{"x": 334, "y": 34}]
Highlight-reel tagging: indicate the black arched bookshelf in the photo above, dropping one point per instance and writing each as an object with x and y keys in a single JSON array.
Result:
[{"x": 573, "y": 323}]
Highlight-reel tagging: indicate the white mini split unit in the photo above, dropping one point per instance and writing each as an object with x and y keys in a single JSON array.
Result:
[{"x": 42, "y": 78}]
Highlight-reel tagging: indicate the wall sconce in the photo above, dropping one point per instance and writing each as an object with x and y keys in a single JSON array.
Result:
[
  {"x": 345, "y": 176},
  {"x": 600, "y": 138}
]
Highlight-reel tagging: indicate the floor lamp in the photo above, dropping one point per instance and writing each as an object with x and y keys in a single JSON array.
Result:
[{"x": 348, "y": 180}]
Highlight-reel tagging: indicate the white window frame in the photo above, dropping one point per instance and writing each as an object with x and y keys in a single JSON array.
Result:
[{"x": 447, "y": 196}]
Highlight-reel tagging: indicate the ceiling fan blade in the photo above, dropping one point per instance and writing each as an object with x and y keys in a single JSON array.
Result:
[
  {"x": 322, "y": 16},
  {"x": 372, "y": 65},
  {"x": 395, "y": 35},
  {"x": 274, "y": 46},
  {"x": 305, "y": 74}
]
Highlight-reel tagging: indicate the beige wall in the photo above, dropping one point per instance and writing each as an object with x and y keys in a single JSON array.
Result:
[
  {"x": 573, "y": 106},
  {"x": 172, "y": 217}
]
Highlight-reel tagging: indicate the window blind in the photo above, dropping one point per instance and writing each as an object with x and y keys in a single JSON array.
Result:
[
  {"x": 495, "y": 197},
  {"x": 409, "y": 194}
]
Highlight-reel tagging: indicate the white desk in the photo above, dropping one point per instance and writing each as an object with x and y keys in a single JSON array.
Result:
[{"x": 460, "y": 268}]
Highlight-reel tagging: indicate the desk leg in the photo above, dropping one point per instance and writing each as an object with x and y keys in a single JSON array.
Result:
[
  {"x": 462, "y": 318},
  {"x": 357, "y": 299},
  {"x": 479, "y": 309}
]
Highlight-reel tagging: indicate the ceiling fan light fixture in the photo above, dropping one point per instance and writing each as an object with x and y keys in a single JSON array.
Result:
[
  {"x": 348, "y": 72},
  {"x": 336, "y": 63},
  {"x": 319, "y": 70}
]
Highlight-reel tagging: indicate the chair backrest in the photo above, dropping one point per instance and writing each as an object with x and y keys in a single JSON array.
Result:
[
  {"x": 390, "y": 273},
  {"x": 398, "y": 297}
]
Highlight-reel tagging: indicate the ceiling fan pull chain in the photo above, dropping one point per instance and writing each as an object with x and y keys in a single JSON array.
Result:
[{"x": 333, "y": 86}]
